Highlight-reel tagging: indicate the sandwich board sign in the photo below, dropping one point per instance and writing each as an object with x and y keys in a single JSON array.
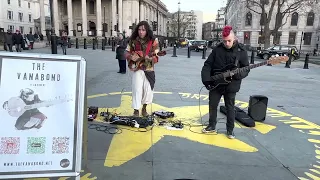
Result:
[{"x": 42, "y": 109}]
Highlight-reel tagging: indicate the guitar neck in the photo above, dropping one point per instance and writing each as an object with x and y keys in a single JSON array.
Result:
[
  {"x": 239, "y": 70},
  {"x": 45, "y": 103}
]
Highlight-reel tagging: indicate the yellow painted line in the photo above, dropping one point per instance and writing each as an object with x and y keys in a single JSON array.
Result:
[{"x": 96, "y": 95}]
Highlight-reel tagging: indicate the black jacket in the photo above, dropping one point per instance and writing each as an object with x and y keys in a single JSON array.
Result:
[
  {"x": 120, "y": 51},
  {"x": 221, "y": 57}
]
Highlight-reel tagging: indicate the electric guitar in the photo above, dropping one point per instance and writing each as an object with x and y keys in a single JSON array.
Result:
[
  {"x": 224, "y": 76},
  {"x": 16, "y": 106},
  {"x": 138, "y": 63}
]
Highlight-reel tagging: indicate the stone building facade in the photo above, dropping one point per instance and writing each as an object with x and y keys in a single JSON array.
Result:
[
  {"x": 300, "y": 28},
  {"x": 106, "y": 17}
]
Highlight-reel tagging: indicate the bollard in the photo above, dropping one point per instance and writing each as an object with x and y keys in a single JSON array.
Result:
[
  {"x": 54, "y": 44},
  {"x": 93, "y": 44},
  {"x": 188, "y": 52},
  {"x": 96, "y": 42},
  {"x": 204, "y": 52},
  {"x": 77, "y": 43},
  {"x": 85, "y": 43},
  {"x": 306, "y": 62},
  {"x": 113, "y": 44},
  {"x": 69, "y": 43},
  {"x": 174, "y": 51},
  {"x": 252, "y": 57},
  {"x": 103, "y": 44}
]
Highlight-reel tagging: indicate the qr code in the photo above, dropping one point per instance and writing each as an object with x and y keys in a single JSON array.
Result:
[
  {"x": 36, "y": 145},
  {"x": 60, "y": 145},
  {"x": 10, "y": 145}
]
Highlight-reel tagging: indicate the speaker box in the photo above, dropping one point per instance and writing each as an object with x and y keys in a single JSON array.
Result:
[{"x": 257, "y": 109}]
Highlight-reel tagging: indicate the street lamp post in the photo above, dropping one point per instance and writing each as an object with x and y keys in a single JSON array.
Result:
[
  {"x": 178, "y": 20},
  {"x": 53, "y": 35},
  {"x": 157, "y": 16}
]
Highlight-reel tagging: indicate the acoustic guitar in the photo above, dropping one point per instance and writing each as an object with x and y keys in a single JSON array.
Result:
[
  {"x": 16, "y": 106},
  {"x": 223, "y": 76},
  {"x": 139, "y": 62}
]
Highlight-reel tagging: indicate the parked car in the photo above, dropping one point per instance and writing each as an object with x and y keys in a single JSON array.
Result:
[
  {"x": 198, "y": 45},
  {"x": 277, "y": 50}
]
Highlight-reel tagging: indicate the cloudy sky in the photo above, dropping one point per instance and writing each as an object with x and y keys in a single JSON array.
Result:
[{"x": 208, "y": 7}]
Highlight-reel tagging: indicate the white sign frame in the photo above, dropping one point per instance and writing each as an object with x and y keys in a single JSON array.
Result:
[{"x": 79, "y": 114}]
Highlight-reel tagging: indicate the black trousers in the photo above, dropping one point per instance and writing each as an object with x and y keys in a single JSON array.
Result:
[
  {"x": 122, "y": 65},
  {"x": 214, "y": 100}
]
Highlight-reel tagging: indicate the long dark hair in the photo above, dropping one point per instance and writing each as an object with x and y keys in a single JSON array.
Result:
[{"x": 146, "y": 25}]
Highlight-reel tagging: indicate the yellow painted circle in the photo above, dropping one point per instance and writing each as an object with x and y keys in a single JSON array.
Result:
[{"x": 119, "y": 145}]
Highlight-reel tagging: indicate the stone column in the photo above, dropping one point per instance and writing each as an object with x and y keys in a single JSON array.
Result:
[
  {"x": 99, "y": 22},
  {"x": 114, "y": 16},
  {"x": 120, "y": 21},
  {"x": 56, "y": 17},
  {"x": 151, "y": 15},
  {"x": 42, "y": 18},
  {"x": 84, "y": 18},
  {"x": 141, "y": 12},
  {"x": 147, "y": 13},
  {"x": 70, "y": 18}
]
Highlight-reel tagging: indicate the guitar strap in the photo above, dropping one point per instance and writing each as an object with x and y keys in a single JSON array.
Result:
[
  {"x": 148, "y": 47},
  {"x": 237, "y": 57}
]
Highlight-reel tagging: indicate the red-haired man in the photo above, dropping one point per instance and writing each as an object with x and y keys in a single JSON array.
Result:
[{"x": 229, "y": 52}]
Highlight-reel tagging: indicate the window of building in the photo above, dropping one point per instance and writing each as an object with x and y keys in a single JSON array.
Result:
[
  {"x": 30, "y": 18},
  {"x": 19, "y": 3},
  {"x": 247, "y": 37},
  {"x": 261, "y": 38},
  {"x": 21, "y": 29},
  {"x": 292, "y": 38},
  {"x": 8, "y": 1},
  {"x": 248, "y": 19},
  {"x": 29, "y": 5},
  {"x": 294, "y": 19},
  {"x": 30, "y": 29},
  {"x": 20, "y": 16},
  {"x": 10, "y": 15},
  {"x": 65, "y": 8},
  {"x": 10, "y": 27},
  {"x": 310, "y": 19},
  {"x": 91, "y": 7},
  {"x": 307, "y": 38}
]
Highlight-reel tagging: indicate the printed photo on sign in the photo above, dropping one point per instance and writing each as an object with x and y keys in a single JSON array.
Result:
[{"x": 38, "y": 106}]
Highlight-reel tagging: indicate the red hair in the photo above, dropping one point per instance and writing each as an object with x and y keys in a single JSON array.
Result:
[{"x": 226, "y": 31}]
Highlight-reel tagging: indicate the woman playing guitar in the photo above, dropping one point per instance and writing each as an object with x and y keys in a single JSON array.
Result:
[{"x": 142, "y": 52}]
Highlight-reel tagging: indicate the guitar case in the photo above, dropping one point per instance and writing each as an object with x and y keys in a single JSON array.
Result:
[{"x": 241, "y": 116}]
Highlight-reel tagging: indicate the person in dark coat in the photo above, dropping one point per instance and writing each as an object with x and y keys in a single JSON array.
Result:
[
  {"x": 8, "y": 40},
  {"x": 31, "y": 39},
  {"x": 17, "y": 40},
  {"x": 120, "y": 54},
  {"x": 223, "y": 54},
  {"x": 64, "y": 42}
]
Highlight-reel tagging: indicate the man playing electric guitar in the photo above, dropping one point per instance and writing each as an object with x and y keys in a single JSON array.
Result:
[{"x": 227, "y": 54}]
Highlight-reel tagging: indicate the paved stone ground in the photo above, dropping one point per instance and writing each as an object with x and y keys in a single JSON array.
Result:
[{"x": 284, "y": 146}]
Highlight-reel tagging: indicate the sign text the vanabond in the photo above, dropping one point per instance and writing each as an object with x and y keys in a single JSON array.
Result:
[{"x": 37, "y": 75}]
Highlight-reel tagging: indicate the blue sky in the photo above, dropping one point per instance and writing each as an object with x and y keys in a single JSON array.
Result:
[{"x": 208, "y": 7}]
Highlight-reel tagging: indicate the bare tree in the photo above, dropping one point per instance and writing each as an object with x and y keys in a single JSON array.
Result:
[
  {"x": 282, "y": 9},
  {"x": 182, "y": 23}
]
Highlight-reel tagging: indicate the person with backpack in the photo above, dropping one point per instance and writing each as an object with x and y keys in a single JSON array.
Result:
[{"x": 141, "y": 56}]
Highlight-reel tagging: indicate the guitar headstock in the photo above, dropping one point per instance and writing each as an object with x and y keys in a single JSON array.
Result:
[{"x": 276, "y": 60}]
